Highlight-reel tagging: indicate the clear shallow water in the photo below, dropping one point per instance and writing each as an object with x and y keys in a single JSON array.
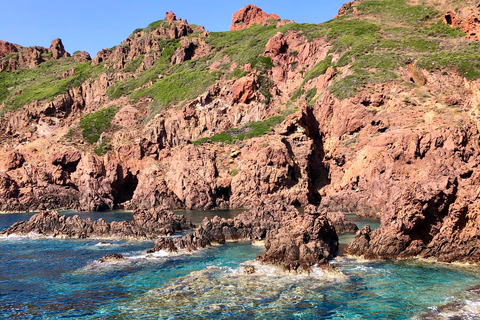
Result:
[{"x": 58, "y": 279}]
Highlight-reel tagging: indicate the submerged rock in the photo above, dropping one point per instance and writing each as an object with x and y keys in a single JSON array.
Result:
[
  {"x": 111, "y": 257},
  {"x": 146, "y": 224},
  {"x": 293, "y": 241}
]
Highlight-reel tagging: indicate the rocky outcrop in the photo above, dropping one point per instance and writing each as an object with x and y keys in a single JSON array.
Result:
[
  {"x": 345, "y": 7},
  {"x": 293, "y": 241},
  {"x": 146, "y": 224},
  {"x": 7, "y": 48},
  {"x": 467, "y": 19},
  {"x": 435, "y": 221},
  {"x": 29, "y": 57},
  {"x": 145, "y": 45},
  {"x": 249, "y": 16},
  {"x": 170, "y": 16},
  {"x": 111, "y": 257},
  {"x": 57, "y": 49},
  {"x": 190, "y": 49},
  {"x": 81, "y": 56}
]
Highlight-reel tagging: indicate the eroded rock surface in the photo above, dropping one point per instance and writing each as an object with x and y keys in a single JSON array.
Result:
[
  {"x": 146, "y": 224},
  {"x": 437, "y": 221},
  {"x": 293, "y": 241}
]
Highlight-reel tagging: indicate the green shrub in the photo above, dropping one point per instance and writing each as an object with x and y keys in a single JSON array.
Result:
[
  {"x": 94, "y": 124},
  {"x": 319, "y": 69},
  {"x": 440, "y": 29},
  {"x": 104, "y": 147},
  {"x": 247, "y": 131},
  {"x": 133, "y": 65},
  {"x": 161, "y": 66},
  {"x": 398, "y": 12},
  {"x": 238, "y": 73}
]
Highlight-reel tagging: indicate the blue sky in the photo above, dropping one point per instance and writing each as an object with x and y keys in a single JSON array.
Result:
[{"x": 92, "y": 25}]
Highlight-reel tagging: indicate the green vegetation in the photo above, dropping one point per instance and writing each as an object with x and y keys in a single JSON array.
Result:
[
  {"x": 94, "y": 124},
  {"x": 11, "y": 55},
  {"x": 289, "y": 110},
  {"x": 238, "y": 73},
  {"x": 247, "y": 131},
  {"x": 371, "y": 46},
  {"x": 152, "y": 26},
  {"x": 244, "y": 46},
  {"x": 440, "y": 29},
  {"x": 103, "y": 148},
  {"x": 161, "y": 66},
  {"x": 133, "y": 65},
  {"x": 43, "y": 82},
  {"x": 177, "y": 87},
  {"x": 394, "y": 35}
]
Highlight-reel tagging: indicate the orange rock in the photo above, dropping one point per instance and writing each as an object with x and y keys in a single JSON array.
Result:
[
  {"x": 249, "y": 16},
  {"x": 243, "y": 89},
  {"x": 170, "y": 16}
]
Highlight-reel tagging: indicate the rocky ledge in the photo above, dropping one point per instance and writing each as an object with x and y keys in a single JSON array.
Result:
[
  {"x": 294, "y": 241},
  {"x": 436, "y": 221},
  {"x": 146, "y": 224}
]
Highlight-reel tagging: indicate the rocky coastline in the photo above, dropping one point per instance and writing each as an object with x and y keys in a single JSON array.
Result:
[
  {"x": 145, "y": 225},
  {"x": 304, "y": 120}
]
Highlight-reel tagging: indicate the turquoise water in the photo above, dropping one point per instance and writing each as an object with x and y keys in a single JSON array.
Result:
[{"x": 59, "y": 279}]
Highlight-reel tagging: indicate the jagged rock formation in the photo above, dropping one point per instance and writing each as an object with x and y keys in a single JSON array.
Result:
[
  {"x": 145, "y": 44},
  {"x": 296, "y": 242},
  {"x": 146, "y": 224},
  {"x": 250, "y": 15},
  {"x": 14, "y": 57},
  {"x": 439, "y": 222},
  {"x": 7, "y": 48}
]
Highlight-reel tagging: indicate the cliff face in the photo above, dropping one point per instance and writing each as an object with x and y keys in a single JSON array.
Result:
[{"x": 374, "y": 112}]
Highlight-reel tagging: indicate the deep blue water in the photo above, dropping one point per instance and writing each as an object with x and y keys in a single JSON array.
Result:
[{"x": 59, "y": 279}]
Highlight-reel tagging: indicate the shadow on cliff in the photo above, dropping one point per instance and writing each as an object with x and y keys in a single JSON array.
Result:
[{"x": 317, "y": 170}]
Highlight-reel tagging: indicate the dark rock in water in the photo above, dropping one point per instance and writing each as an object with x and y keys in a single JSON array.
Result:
[
  {"x": 294, "y": 241},
  {"x": 475, "y": 290},
  {"x": 249, "y": 270},
  {"x": 146, "y": 224},
  {"x": 111, "y": 257},
  {"x": 341, "y": 224}
]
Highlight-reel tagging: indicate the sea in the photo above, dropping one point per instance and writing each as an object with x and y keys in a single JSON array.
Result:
[{"x": 45, "y": 278}]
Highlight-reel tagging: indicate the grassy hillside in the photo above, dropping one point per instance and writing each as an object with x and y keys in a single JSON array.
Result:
[{"x": 369, "y": 45}]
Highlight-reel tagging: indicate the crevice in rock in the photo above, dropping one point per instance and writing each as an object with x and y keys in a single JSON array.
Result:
[
  {"x": 317, "y": 170},
  {"x": 124, "y": 189},
  {"x": 293, "y": 172},
  {"x": 222, "y": 196}
]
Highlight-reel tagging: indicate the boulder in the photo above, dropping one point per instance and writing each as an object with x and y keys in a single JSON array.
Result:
[{"x": 243, "y": 90}]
